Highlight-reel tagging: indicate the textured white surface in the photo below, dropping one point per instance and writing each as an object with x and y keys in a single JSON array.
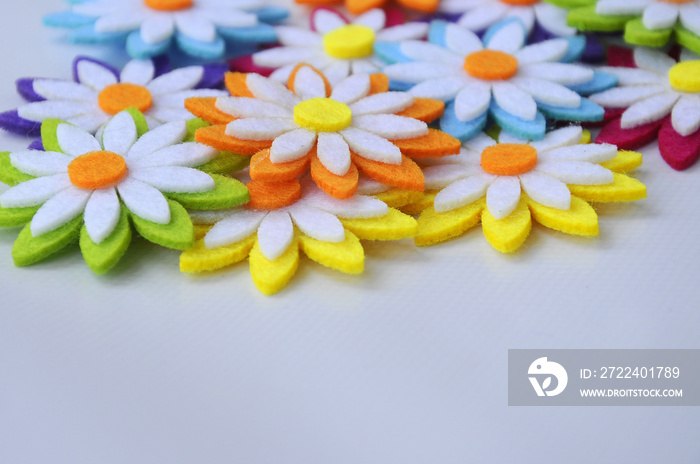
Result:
[{"x": 404, "y": 364}]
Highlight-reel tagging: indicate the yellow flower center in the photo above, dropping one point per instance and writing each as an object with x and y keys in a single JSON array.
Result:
[
  {"x": 96, "y": 170},
  {"x": 118, "y": 97},
  {"x": 508, "y": 159},
  {"x": 491, "y": 65},
  {"x": 351, "y": 41},
  {"x": 322, "y": 115},
  {"x": 168, "y": 5},
  {"x": 685, "y": 76}
]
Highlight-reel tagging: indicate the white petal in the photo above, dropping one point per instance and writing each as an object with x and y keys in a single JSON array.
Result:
[
  {"x": 483, "y": 16},
  {"x": 260, "y": 128},
  {"x": 635, "y": 76},
  {"x": 526, "y": 14},
  {"x": 660, "y": 15},
  {"x": 621, "y": 97},
  {"x": 102, "y": 214},
  {"x": 144, "y": 201},
  {"x": 653, "y": 60},
  {"x": 558, "y": 138},
  {"x": 177, "y": 99},
  {"x": 160, "y": 137},
  {"x": 509, "y": 38},
  {"x": 275, "y": 234},
  {"x": 326, "y": 20},
  {"x": 368, "y": 186},
  {"x": 385, "y": 102},
  {"x": 503, "y": 196},
  {"x": 139, "y": 72},
  {"x": 651, "y": 109},
  {"x": 547, "y": 51},
  {"x": 119, "y": 21},
  {"x": 119, "y": 134},
  {"x": 355, "y": 207},
  {"x": 372, "y": 146},
  {"x": 506, "y": 137},
  {"x": 473, "y": 100},
  {"x": 334, "y": 153},
  {"x": 75, "y": 141},
  {"x": 514, "y": 100},
  {"x": 95, "y": 76},
  {"x": 281, "y": 56},
  {"x": 560, "y": 73},
  {"x": 270, "y": 91},
  {"x": 690, "y": 17},
  {"x": 292, "y": 145},
  {"x": 244, "y": 107},
  {"x": 686, "y": 115},
  {"x": 553, "y": 19},
  {"x": 421, "y": 71},
  {"x": 64, "y": 90},
  {"x": 576, "y": 172},
  {"x": 188, "y": 154},
  {"x": 365, "y": 66},
  {"x": 34, "y": 192},
  {"x": 351, "y": 89},
  {"x": 443, "y": 88},
  {"x": 391, "y": 126},
  {"x": 546, "y": 190},
  {"x": 688, "y": 55},
  {"x": 40, "y": 163},
  {"x": 175, "y": 179},
  {"x": 408, "y": 31},
  {"x": 90, "y": 122},
  {"x": 309, "y": 84},
  {"x": 317, "y": 224},
  {"x": 59, "y": 210},
  {"x": 164, "y": 114},
  {"x": 157, "y": 28},
  {"x": 548, "y": 93},
  {"x": 297, "y": 37},
  {"x": 424, "y": 51},
  {"x": 174, "y": 81},
  {"x": 38, "y": 111},
  {"x": 459, "y": 6},
  {"x": 375, "y": 19},
  {"x": 589, "y": 152},
  {"x": 442, "y": 175},
  {"x": 462, "y": 192},
  {"x": 226, "y": 16},
  {"x": 621, "y": 7},
  {"x": 336, "y": 71},
  {"x": 461, "y": 40},
  {"x": 479, "y": 143},
  {"x": 242, "y": 223},
  {"x": 195, "y": 27},
  {"x": 96, "y": 8}
]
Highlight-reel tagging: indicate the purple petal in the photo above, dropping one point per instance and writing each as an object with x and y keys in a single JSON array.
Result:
[
  {"x": 162, "y": 65},
  {"x": 25, "y": 87},
  {"x": 37, "y": 144},
  {"x": 11, "y": 122},
  {"x": 92, "y": 60},
  {"x": 213, "y": 76}
]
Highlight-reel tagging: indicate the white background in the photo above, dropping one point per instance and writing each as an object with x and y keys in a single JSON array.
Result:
[{"x": 404, "y": 364}]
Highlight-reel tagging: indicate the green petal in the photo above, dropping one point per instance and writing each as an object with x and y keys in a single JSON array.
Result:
[
  {"x": 225, "y": 163},
  {"x": 571, "y": 4},
  {"x": 178, "y": 234},
  {"x": 227, "y": 194},
  {"x": 9, "y": 174},
  {"x": 28, "y": 249},
  {"x": 139, "y": 120},
  {"x": 192, "y": 126},
  {"x": 637, "y": 34},
  {"x": 48, "y": 134},
  {"x": 586, "y": 19},
  {"x": 104, "y": 256},
  {"x": 15, "y": 217},
  {"x": 688, "y": 39}
]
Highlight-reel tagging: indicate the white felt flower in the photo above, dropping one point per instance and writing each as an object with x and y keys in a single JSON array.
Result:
[
  {"x": 335, "y": 47},
  {"x": 98, "y": 94},
  {"x": 656, "y": 14},
  {"x": 501, "y": 170},
  {"x": 658, "y": 86},
  {"x": 90, "y": 176}
]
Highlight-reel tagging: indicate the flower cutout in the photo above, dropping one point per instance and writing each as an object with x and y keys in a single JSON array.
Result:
[
  {"x": 198, "y": 27},
  {"x": 333, "y": 131},
  {"x": 508, "y": 182},
  {"x": 639, "y": 109},
  {"x": 90, "y": 187},
  {"x": 361, "y": 6},
  {"x": 326, "y": 229},
  {"x": 335, "y": 46},
  {"x": 99, "y": 92},
  {"x": 517, "y": 85}
]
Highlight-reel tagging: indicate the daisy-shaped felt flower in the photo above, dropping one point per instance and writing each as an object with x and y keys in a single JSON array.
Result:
[
  {"x": 517, "y": 85},
  {"x": 335, "y": 46},
  {"x": 333, "y": 131},
  {"x": 360, "y": 6},
  {"x": 91, "y": 189},
  {"x": 326, "y": 229},
  {"x": 98, "y": 92},
  {"x": 150, "y": 27},
  {"x": 505, "y": 184},
  {"x": 639, "y": 108}
]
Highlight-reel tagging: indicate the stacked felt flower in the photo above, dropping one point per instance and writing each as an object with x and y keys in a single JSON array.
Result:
[
  {"x": 517, "y": 85},
  {"x": 94, "y": 189},
  {"x": 506, "y": 183}
]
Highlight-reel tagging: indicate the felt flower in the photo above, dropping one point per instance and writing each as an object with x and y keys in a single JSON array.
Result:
[
  {"x": 506, "y": 183},
  {"x": 335, "y": 46},
  {"x": 517, "y": 85},
  {"x": 92, "y": 188},
  {"x": 333, "y": 131},
  {"x": 98, "y": 92},
  {"x": 639, "y": 109},
  {"x": 198, "y": 27},
  {"x": 360, "y": 6},
  {"x": 326, "y": 229}
]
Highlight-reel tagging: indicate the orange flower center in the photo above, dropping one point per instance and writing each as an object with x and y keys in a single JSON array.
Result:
[
  {"x": 521, "y": 2},
  {"x": 96, "y": 170},
  {"x": 491, "y": 65},
  {"x": 168, "y": 5},
  {"x": 118, "y": 97},
  {"x": 508, "y": 159}
]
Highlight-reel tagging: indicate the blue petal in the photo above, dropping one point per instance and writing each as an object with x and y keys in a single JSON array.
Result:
[
  {"x": 262, "y": 33},
  {"x": 530, "y": 130},
  {"x": 601, "y": 81},
  {"x": 137, "y": 48},
  {"x": 587, "y": 112},
  {"x": 491, "y": 31},
  {"x": 271, "y": 14},
  {"x": 87, "y": 34},
  {"x": 68, "y": 20},
  {"x": 577, "y": 45},
  {"x": 390, "y": 52},
  {"x": 400, "y": 86},
  {"x": 437, "y": 33},
  {"x": 463, "y": 130},
  {"x": 205, "y": 50}
]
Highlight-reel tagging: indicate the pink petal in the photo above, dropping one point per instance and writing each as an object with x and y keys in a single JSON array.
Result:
[
  {"x": 610, "y": 114},
  {"x": 245, "y": 64},
  {"x": 621, "y": 56},
  {"x": 679, "y": 152},
  {"x": 629, "y": 139},
  {"x": 394, "y": 17}
]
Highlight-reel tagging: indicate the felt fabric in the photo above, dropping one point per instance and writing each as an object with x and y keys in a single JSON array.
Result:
[
  {"x": 358, "y": 7},
  {"x": 506, "y": 183},
  {"x": 199, "y": 28},
  {"x": 516, "y": 84},
  {"x": 87, "y": 186},
  {"x": 98, "y": 92}
]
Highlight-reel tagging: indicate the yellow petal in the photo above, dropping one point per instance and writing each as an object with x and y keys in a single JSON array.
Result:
[
  {"x": 393, "y": 226},
  {"x": 580, "y": 219},
  {"x": 436, "y": 227},
  {"x": 420, "y": 205},
  {"x": 199, "y": 258},
  {"x": 272, "y": 276},
  {"x": 200, "y": 230},
  {"x": 396, "y": 198},
  {"x": 625, "y": 161},
  {"x": 507, "y": 234},
  {"x": 585, "y": 137},
  {"x": 347, "y": 256},
  {"x": 623, "y": 188}
]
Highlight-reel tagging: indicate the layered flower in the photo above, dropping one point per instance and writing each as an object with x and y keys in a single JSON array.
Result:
[
  {"x": 91, "y": 188},
  {"x": 333, "y": 131},
  {"x": 506, "y": 183},
  {"x": 150, "y": 27},
  {"x": 326, "y": 229},
  {"x": 360, "y": 6},
  {"x": 99, "y": 92},
  {"x": 517, "y": 85},
  {"x": 638, "y": 110}
]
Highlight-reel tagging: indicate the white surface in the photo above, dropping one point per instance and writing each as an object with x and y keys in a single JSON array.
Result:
[{"x": 404, "y": 364}]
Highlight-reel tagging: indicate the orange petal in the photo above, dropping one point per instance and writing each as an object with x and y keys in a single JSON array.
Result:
[
  {"x": 290, "y": 81},
  {"x": 426, "y": 6},
  {"x": 433, "y": 145},
  {"x": 378, "y": 83},
  {"x": 235, "y": 83},
  {"x": 262, "y": 169},
  {"x": 205, "y": 108},
  {"x": 406, "y": 175},
  {"x": 273, "y": 195},
  {"x": 341, "y": 187},
  {"x": 360, "y": 6},
  {"x": 215, "y": 136},
  {"x": 424, "y": 109}
]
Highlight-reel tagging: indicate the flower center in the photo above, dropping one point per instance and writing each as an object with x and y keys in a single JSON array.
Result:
[
  {"x": 322, "y": 115},
  {"x": 118, "y": 97},
  {"x": 351, "y": 41},
  {"x": 508, "y": 159},
  {"x": 168, "y": 5},
  {"x": 491, "y": 65},
  {"x": 96, "y": 170},
  {"x": 685, "y": 76}
]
